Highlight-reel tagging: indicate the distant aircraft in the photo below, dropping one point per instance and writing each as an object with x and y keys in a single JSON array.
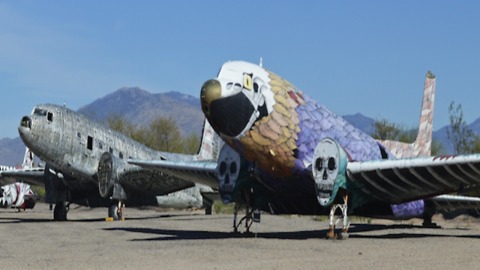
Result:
[
  {"x": 27, "y": 172},
  {"x": 294, "y": 156},
  {"x": 19, "y": 195},
  {"x": 86, "y": 164}
]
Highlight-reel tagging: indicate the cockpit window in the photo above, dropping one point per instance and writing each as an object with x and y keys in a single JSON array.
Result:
[
  {"x": 50, "y": 116},
  {"x": 40, "y": 112}
]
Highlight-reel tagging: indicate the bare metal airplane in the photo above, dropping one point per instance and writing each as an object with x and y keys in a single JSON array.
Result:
[
  {"x": 294, "y": 156},
  {"x": 86, "y": 164}
]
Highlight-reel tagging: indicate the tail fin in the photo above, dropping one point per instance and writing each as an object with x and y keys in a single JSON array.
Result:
[
  {"x": 423, "y": 143},
  {"x": 422, "y": 146},
  {"x": 211, "y": 143},
  {"x": 27, "y": 159}
]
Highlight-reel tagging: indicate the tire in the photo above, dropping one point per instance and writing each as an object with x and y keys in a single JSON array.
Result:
[
  {"x": 60, "y": 212},
  {"x": 114, "y": 213}
]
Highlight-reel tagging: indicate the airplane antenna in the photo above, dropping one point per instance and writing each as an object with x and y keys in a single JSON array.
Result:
[{"x": 261, "y": 62}]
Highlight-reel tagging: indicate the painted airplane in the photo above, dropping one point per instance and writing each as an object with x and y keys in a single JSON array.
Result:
[
  {"x": 294, "y": 156},
  {"x": 19, "y": 195},
  {"x": 86, "y": 164}
]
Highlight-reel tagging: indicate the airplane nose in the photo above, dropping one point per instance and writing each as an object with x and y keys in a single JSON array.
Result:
[{"x": 211, "y": 91}]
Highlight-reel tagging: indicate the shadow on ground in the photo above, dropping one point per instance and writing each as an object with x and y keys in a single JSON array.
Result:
[{"x": 356, "y": 231}]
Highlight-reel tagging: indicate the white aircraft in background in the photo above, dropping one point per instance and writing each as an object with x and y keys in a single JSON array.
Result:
[{"x": 19, "y": 195}]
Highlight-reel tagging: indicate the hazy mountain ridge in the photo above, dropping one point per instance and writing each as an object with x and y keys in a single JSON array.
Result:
[
  {"x": 141, "y": 107},
  {"x": 11, "y": 151}
]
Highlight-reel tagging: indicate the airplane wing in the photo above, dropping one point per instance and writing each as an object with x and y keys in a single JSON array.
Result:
[
  {"x": 32, "y": 176},
  {"x": 200, "y": 172},
  {"x": 402, "y": 180}
]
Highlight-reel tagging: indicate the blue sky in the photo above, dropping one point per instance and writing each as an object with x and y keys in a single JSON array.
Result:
[{"x": 352, "y": 56}]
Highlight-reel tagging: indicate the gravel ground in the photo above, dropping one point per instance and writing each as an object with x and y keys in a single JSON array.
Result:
[{"x": 153, "y": 239}]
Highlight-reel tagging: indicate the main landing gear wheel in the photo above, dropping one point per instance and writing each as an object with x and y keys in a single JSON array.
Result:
[
  {"x": 60, "y": 212},
  {"x": 115, "y": 211}
]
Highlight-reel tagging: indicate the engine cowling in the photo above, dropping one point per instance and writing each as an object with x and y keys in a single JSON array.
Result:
[
  {"x": 228, "y": 171},
  {"x": 107, "y": 173},
  {"x": 329, "y": 170}
]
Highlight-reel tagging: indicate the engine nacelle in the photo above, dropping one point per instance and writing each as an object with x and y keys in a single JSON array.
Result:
[
  {"x": 329, "y": 170},
  {"x": 108, "y": 177},
  {"x": 228, "y": 171}
]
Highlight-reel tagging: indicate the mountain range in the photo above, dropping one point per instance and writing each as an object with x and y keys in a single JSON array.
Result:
[{"x": 141, "y": 107}]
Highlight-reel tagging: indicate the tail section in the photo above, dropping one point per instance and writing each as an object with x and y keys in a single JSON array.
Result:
[
  {"x": 210, "y": 145},
  {"x": 27, "y": 159},
  {"x": 423, "y": 143},
  {"x": 422, "y": 146}
]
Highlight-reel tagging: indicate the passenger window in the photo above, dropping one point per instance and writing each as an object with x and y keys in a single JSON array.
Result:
[
  {"x": 90, "y": 142},
  {"x": 120, "y": 155},
  {"x": 110, "y": 150}
]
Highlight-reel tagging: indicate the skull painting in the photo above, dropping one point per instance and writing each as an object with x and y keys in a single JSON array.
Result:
[
  {"x": 325, "y": 169},
  {"x": 228, "y": 170}
]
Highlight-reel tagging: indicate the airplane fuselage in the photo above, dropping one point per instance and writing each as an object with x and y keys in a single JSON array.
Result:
[
  {"x": 72, "y": 146},
  {"x": 277, "y": 128}
]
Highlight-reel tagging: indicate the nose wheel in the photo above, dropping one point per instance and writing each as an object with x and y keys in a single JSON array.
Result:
[{"x": 343, "y": 233}]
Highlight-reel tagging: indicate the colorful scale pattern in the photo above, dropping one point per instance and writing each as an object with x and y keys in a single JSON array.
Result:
[{"x": 283, "y": 142}]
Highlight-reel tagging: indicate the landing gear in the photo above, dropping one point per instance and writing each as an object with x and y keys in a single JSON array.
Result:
[
  {"x": 60, "y": 211},
  {"x": 115, "y": 211},
  {"x": 208, "y": 210},
  {"x": 343, "y": 234},
  {"x": 248, "y": 218},
  {"x": 430, "y": 210}
]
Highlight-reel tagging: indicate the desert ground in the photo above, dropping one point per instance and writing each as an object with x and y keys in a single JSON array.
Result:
[{"x": 159, "y": 239}]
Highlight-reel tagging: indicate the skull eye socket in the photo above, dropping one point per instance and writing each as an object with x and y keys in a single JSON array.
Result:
[
  {"x": 319, "y": 164},
  {"x": 331, "y": 164},
  {"x": 223, "y": 168},
  {"x": 233, "y": 168}
]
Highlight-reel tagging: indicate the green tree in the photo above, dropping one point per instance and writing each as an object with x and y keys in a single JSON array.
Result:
[
  {"x": 191, "y": 144},
  {"x": 162, "y": 134},
  {"x": 121, "y": 125},
  {"x": 384, "y": 130},
  {"x": 460, "y": 135},
  {"x": 437, "y": 148}
]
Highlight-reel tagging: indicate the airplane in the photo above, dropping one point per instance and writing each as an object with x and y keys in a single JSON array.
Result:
[
  {"x": 16, "y": 194},
  {"x": 28, "y": 172},
  {"x": 86, "y": 164},
  {"x": 290, "y": 155}
]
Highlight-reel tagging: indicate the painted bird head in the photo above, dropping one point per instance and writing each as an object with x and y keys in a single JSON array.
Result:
[{"x": 237, "y": 98}]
